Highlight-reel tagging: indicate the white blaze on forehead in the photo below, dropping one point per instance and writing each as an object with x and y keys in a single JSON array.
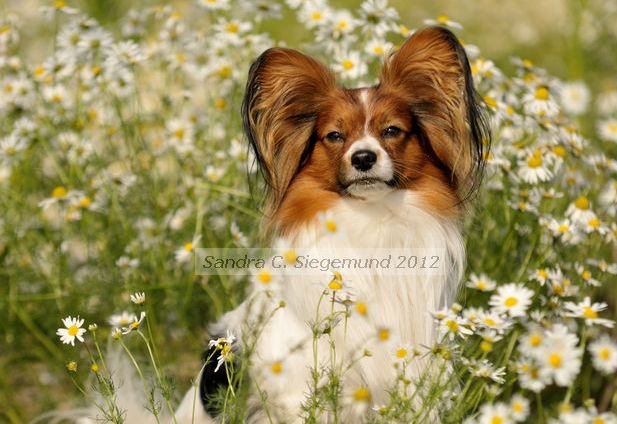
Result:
[{"x": 364, "y": 94}]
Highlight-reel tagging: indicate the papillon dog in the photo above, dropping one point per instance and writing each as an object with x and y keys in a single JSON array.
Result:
[{"x": 393, "y": 165}]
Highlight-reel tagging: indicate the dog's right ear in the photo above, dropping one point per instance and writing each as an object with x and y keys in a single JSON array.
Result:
[{"x": 284, "y": 93}]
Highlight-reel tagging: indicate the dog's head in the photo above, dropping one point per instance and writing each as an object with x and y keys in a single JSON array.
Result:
[{"x": 421, "y": 128}]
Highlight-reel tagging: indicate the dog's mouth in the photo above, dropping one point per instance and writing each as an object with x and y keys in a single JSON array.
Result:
[{"x": 367, "y": 184}]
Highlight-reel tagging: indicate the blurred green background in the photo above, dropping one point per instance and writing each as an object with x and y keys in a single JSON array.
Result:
[{"x": 572, "y": 39}]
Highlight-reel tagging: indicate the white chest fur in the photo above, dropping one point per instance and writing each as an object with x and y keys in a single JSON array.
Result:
[{"x": 401, "y": 304}]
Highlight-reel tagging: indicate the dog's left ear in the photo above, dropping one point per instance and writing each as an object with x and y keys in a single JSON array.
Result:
[{"x": 432, "y": 73}]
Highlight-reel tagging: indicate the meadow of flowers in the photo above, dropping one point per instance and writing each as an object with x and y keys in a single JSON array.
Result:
[{"x": 121, "y": 152}]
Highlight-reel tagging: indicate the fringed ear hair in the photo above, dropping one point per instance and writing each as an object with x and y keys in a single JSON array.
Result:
[
  {"x": 283, "y": 96},
  {"x": 432, "y": 73}
]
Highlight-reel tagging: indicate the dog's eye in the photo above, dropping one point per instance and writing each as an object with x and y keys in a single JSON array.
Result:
[
  {"x": 334, "y": 136},
  {"x": 391, "y": 132}
]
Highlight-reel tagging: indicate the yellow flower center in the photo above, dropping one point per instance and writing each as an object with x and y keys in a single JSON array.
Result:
[
  {"x": 594, "y": 223},
  {"x": 383, "y": 334},
  {"x": 58, "y": 192},
  {"x": 612, "y": 127},
  {"x": 39, "y": 71},
  {"x": 497, "y": 420},
  {"x": 73, "y": 330},
  {"x": 276, "y": 368},
  {"x": 335, "y": 285},
  {"x": 232, "y": 27},
  {"x": 362, "y": 394},
  {"x": 290, "y": 256},
  {"x": 489, "y": 322},
  {"x": 224, "y": 71},
  {"x": 517, "y": 407},
  {"x": 378, "y": 50},
  {"x": 264, "y": 277},
  {"x": 486, "y": 346},
  {"x": 554, "y": 359},
  {"x": 94, "y": 368},
  {"x": 481, "y": 285},
  {"x": 220, "y": 103},
  {"x": 84, "y": 202},
  {"x": 442, "y": 19},
  {"x": 582, "y": 203},
  {"x": 541, "y": 93},
  {"x": 342, "y": 25},
  {"x": 316, "y": 16},
  {"x": 510, "y": 301},
  {"x": 535, "y": 340},
  {"x": 401, "y": 353},
  {"x": 604, "y": 353},
  {"x": 188, "y": 247},
  {"x": 534, "y": 161},
  {"x": 598, "y": 420},
  {"x": 589, "y": 313},
  {"x": 586, "y": 275},
  {"x": 560, "y": 151},
  {"x": 452, "y": 325},
  {"x": 563, "y": 228},
  {"x": 361, "y": 308},
  {"x": 490, "y": 101},
  {"x": 542, "y": 273},
  {"x": 347, "y": 64},
  {"x": 59, "y": 4},
  {"x": 331, "y": 225}
]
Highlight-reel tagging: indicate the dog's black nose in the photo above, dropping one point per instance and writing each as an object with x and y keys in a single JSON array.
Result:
[{"x": 363, "y": 160}]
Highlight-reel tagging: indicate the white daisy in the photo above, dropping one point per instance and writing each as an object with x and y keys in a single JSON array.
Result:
[
  {"x": 532, "y": 377},
  {"x": 443, "y": 20},
  {"x": 452, "y": 325},
  {"x": 214, "y": 4},
  {"x": 378, "y": 47},
  {"x": 351, "y": 66},
  {"x": 580, "y": 210},
  {"x": 513, "y": 299},
  {"x": 265, "y": 279},
  {"x": 122, "y": 319},
  {"x": 494, "y": 320},
  {"x": 138, "y": 298},
  {"x": 184, "y": 254},
  {"x": 531, "y": 342},
  {"x": 607, "y": 129},
  {"x": 72, "y": 330},
  {"x": 574, "y": 97},
  {"x": 564, "y": 230},
  {"x": 534, "y": 168},
  {"x": 134, "y": 324},
  {"x": 588, "y": 311},
  {"x": 519, "y": 407},
  {"x": 481, "y": 282},
  {"x": 494, "y": 413},
  {"x": 604, "y": 355},
  {"x": 224, "y": 345},
  {"x": 607, "y": 102},
  {"x": 560, "y": 356}
]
